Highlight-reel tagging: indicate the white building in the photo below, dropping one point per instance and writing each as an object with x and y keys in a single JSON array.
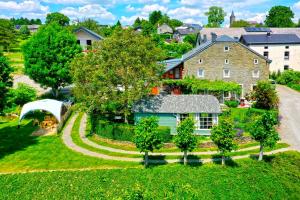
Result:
[
  {"x": 86, "y": 37},
  {"x": 164, "y": 29},
  {"x": 282, "y": 49}
]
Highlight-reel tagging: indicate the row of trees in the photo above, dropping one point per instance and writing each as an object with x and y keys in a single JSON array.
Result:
[
  {"x": 25, "y": 21},
  {"x": 223, "y": 135}
]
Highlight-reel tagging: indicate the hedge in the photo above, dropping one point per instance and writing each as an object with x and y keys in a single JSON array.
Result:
[{"x": 232, "y": 104}]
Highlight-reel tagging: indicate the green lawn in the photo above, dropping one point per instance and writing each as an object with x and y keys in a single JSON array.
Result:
[
  {"x": 16, "y": 60},
  {"x": 21, "y": 152},
  {"x": 276, "y": 178}
]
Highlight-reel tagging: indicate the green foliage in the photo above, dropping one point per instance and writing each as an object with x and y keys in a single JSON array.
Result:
[
  {"x": 6, "y": 81},
  {"x": 56, "y": 48},
  {"x": 7, "y": 34},
  {"x": 231, "y": 103},
  {"x": 25, "y": 21},
  {"x": 240, "y": 23},
  {"x": 155, "y": 16},
  {"x": 263, "y": 130},
  {"x": 137, "y": 23},
  {"x": 295, "y": 86},
  {"x": 22, "y": 94},
  {"x": 164, "y": 133},
  {"x": 223, "y": 136},
  {"x": 121, "y": 70},
  {"x": 265, "y": 96},
  {"x": 191, "y": 39},
  {"x": 146, "y": 135},
  {"x": 57, "y": 17},
  {"x": 280, "y": 16},
  {"x": 289, "y": 77},
  {"x": 185, "y": 139},
  {"x": 215, "y": 16},
  {"x": 24, "y": 31},
  {"x": 175, "y": 50},
  {"x": 192, "y": 85}
]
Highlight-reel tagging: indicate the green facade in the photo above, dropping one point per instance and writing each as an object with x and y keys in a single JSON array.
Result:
[{"x": 167, "y": 119}]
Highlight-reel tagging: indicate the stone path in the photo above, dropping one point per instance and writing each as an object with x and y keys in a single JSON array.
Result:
[{"x": 70, "y": 144}]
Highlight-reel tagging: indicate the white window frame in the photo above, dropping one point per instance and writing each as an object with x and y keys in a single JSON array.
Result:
[
  {"x": 226, "y": 48},
  {"x": 229, "y": 95},
  {"x": 226, "y": 61},
  {"x": 224, "y": 74},
  {"x": 242, "y": 90},
  {"x": 198, "y": 73},
  {"x": 178, "y": 117},
  {"x": 255, "y": 61},
  {"x": 255, "y": 75},
  {"x": 214, "y": 118},
  {"x": 252, "y": 86}
]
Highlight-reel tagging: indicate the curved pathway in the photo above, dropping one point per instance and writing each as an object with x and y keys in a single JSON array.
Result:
[{"x": 67, "y": 139}]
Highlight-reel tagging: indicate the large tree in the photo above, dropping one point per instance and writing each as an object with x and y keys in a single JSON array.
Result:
[
  {"x": 6, "y": 81},
  {"x": 155, "y": 16},
  {"x": 185, "y": 139},
  {"x": 223, "y": 136},
  {"x": 57, "y": 18},
  {"x": 7, "y": 34},
  {"x": 263, "y": 130},
  {"x": 280, "y": 16},
  {"x": 121, "y": 70},
  {"x": 146, "y": 136},
  {"x": 48, "y": 54},
  {"x": 215, "y": 16}
]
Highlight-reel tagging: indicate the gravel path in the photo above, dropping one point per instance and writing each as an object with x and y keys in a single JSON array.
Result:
[
  {"x": 289, "y": 109},
  {"x": 70, "y": 144},
  {"x": 26, "y": 80}
]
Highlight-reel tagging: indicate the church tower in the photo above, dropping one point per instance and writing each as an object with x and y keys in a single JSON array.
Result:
[{"x": 232, "y": 18}]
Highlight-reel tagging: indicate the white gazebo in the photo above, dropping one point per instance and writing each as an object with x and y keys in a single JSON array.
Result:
[{"x": 52, "y": 106}]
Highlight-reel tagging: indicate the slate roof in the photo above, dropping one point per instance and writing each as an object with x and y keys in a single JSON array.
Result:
[
  {"x": 89, "y": 32},
  {"x": 170, "y": 64},
  {"x": 271, "y": 39},
  {"x": 178, "y": 104},
  {"x": 186, "y": 31}
]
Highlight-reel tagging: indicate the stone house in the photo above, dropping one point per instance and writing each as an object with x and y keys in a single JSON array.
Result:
[
  {"x": 222, "y": 58},
  {"x": 86, "y": 37}
]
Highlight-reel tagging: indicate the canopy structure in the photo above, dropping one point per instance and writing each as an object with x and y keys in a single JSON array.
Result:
[{"x": 49, "y": 105}]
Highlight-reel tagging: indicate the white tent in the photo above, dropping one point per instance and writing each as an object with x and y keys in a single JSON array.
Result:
[{"x": 50, "y": 105}]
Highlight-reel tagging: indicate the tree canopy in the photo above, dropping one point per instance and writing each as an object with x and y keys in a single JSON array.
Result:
[
  {"x": 48, "y": 54},
  {"x": 121, "y": 69},
  {"x": 24, "y": 32},
  {"x": 155, "y": 16},
  {"x": 240, "y": 23},
  {"x": 265, "y": 96},
  {"x": 6, "y": 81},
  {"x": 7, "y": 34},
  {"x": 215, "y": 16},
  {"x": 57, "y": 17},
  {"x": 280, "y": 16},
  {"x": 25, "y": 21}
]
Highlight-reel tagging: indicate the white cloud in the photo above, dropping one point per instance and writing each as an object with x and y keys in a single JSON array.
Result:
[
  {"x": 297, "y": 5},
  {"x": 130, "y": 20},
  {"x": 88, "y": 11},
  {"x": 189, "y": 2},
  {"x": 259, "y": 17},
  {"x": 130, "y": 8},
  {"x": 153, "y": 7},
  {"x": 184, "y": 12},
  {"x": 25, "y": 6}
]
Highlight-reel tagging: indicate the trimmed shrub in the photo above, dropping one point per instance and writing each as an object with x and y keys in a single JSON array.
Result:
[
  {"x": 265, "y": 96},
  {"x": 232, "y": 103},
  {"x": 22, "y": 94}
]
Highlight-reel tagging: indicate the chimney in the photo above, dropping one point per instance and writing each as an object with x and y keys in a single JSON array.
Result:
[
  {"x": 269, "y": 34},
  {"x": 213, "y": 37},
  {"x": 204, "y": 38},
  {"x": 199, "y": 39}
]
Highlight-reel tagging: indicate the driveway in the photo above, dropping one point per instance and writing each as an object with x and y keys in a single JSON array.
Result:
[{"x": 289, "y": 108}]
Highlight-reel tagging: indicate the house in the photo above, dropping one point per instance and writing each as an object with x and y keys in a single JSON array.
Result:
[
  {"x": 181, "y": 33},
  {"x": 32, "y": 28},
  {"x": 86, "y": 37},
  {"x": 282, "y": 49},
  {"x": 164, "y": 29},
  {"x": 194, "y": 26},
  {"x": 221, "y": 58},
  {"x": 172, "y": 109}
]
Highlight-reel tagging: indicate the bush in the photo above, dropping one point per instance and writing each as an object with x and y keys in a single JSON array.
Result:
[
  {"x": 232, "y": 103},
  {"x": 22, "y": 94},
  {"x": 289, "y": 77},
  {"x": 295, "y": 86},
  {"x": 265, "y": 96}
]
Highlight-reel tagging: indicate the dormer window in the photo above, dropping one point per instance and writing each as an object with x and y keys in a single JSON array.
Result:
[
  {"x": 226, "y": 61},
  {"x": 226, "y": 48},
  {"x": 255, "y": 61}
]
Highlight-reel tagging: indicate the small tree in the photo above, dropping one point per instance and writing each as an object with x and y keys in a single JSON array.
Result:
[
  {"x": 223, "y": 136},
  {"x": 215, "y": 16},
  {"x": 185, "y": 139},
  {"x": 265, "y": 96},
  {"x": 263, "y": 130},
  {"x": 22, "y": 94},
  {"x": 24, "y": 32},
  {"x": 5, "y": 80},
  {"x": 146, "y": 136},
  {"x": 57, "y": 17}
]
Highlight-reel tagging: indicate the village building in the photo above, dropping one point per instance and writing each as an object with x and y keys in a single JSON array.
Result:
[{"x": 86, "y": 37}]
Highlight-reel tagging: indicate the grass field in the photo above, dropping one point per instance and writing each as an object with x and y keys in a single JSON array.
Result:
[
  {"x": 276, "y": 178},
  {"x": 16, "y": 60}
]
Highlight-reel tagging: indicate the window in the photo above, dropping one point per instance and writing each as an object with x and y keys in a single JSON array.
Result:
[
  {"x": 226, "y": 94},
  {"x": 226, "y": 48},
  {"x": 181, "y": 117},
  {"x": 226, "y": 61},
  {"x": 256, "y": 61},
  {"x": 266, "y": 54},
  {"x": 226, "y": 73},
  {"x": 255, "y": 73},
  {"x": 200, "y": 61},
  {"x": 201, "y": 73},
  {"x": 242, "y": 94},
  {"x": 78, "y": 41},
  {"x": 266, "y": 47},
  {"x": 254, "y": 86},
  {"x": 286, "y": 55},
  {"x": 177, "y": 73},
  {"x": 89, "y": 42},
  {"x": 287, "y": 47},
  {"x": 206, "y": 121},
  {"x": 286, "y": 67}
]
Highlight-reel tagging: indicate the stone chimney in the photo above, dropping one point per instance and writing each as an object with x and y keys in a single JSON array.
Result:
[
  {"x": 204, "y": 38},
  {"x": 213, "y": 37}
]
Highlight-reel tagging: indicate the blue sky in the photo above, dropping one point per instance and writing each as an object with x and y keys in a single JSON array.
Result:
[{"x": 109, "y": 11}]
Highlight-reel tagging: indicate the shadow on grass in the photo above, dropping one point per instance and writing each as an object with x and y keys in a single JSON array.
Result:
[
  {"x": 266, "y": 158},
  {"x": 13, "y": 139},
  {"x": 217, "y": 159},
  {"x": 156, "y": 160}
]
